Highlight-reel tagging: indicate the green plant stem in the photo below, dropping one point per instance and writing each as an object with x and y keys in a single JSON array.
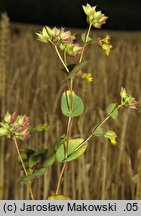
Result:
[
  {"x": 67, "y": 144},
  {"x": 60, "y": 57},
  {"x": 68, "y": 134},
  {"x": 90, "y": 136},
  {"x": 70, "y": 87},
  {"x": 24, "y": 168},
  {"x": 85, "y": 43},
  {"x": 60, "y": 178},
  {"x": 65, "y": 57},
  {"x": 69, "y": 124},
  {"x": 83, "y": 143},
  {"x": 70, "y": 119}
]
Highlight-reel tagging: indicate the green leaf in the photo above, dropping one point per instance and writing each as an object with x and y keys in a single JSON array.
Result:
[
  {"x": 26, "y": 179},
  {"x": 112, "y": 111},
  {"x": 76, "y": 69},
  {"x": 49, "y": 161},
  {"x": 26, "y": 153},
  {"x": 83, "y": 38},
  {"x": 74, "y": 151},
  {"x": 59, "y": 197},
  {"x": 39, "y": 172},
  {"x": 42, "y": 157},
  {"x": 71, "y": 104},
  {"x": 60, "y": 141},
  {"x": 37, "y": 157},
  {"x": 98, "y": 132}
]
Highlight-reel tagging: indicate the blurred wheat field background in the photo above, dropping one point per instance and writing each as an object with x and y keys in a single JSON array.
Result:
[{"x": 31, "y": 83}]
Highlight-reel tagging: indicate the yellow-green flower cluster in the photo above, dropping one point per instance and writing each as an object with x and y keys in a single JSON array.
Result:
[
  {"x": 71, "y": 49},
  {"x": 95, "y": 18},
  {"x": 127, "y": 100},
  {"x": 105, "y": 44},
  {"x": 87, "y": 76},
  {"x": 111, "y": 135}
]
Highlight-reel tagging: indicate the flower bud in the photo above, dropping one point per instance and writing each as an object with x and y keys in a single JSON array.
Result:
[
  {"x": 105, "y": 44},
  {"x": 123, "y": 93},
  {"x": 133, "y": 104},
  {"x": 43, "y": 36},
  {"x": 26, "y": 136},
  {"x": 3, "y": 131},
  {"x": 7, "y": 117},
  {"x": 13, "y": 117}
]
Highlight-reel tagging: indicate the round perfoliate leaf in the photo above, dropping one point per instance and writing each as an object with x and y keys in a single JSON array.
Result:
[
  {"x": 71, "y": 104},
  {"x": 85, "y": 39},
  {"x": 112, "y": 111},
  {"x": 75, "y": 150},
  {"x": 98, "y": 132}
]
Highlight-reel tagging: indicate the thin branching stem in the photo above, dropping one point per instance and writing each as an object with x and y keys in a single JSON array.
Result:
[
  {"x": 60, "y": 178},
  {"x": 60, "y": 57},
  {"x": 92, "y": 134},
  {"x": 23, "y": 165},
  {"x": 65, "y": 57},
  {"x": 69, "y": 124},
  {"x": 70, "y": 88},
  {"x": 83, "y": 143},
  {"x": 96, "y": 128},
  {"x": 68, "y": 134},
  {"x": 85, "y": 43}
]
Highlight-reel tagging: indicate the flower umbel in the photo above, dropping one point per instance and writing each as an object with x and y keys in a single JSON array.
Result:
[
  {"x": 127, "y": 100},
  {"x": 14, "y": 125},
  {"x": 55, "y": 35},
  {"x": 105, "y": 44},
  {"x": 96, "y": 18},
  {"x": 71, "y": 49}
]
